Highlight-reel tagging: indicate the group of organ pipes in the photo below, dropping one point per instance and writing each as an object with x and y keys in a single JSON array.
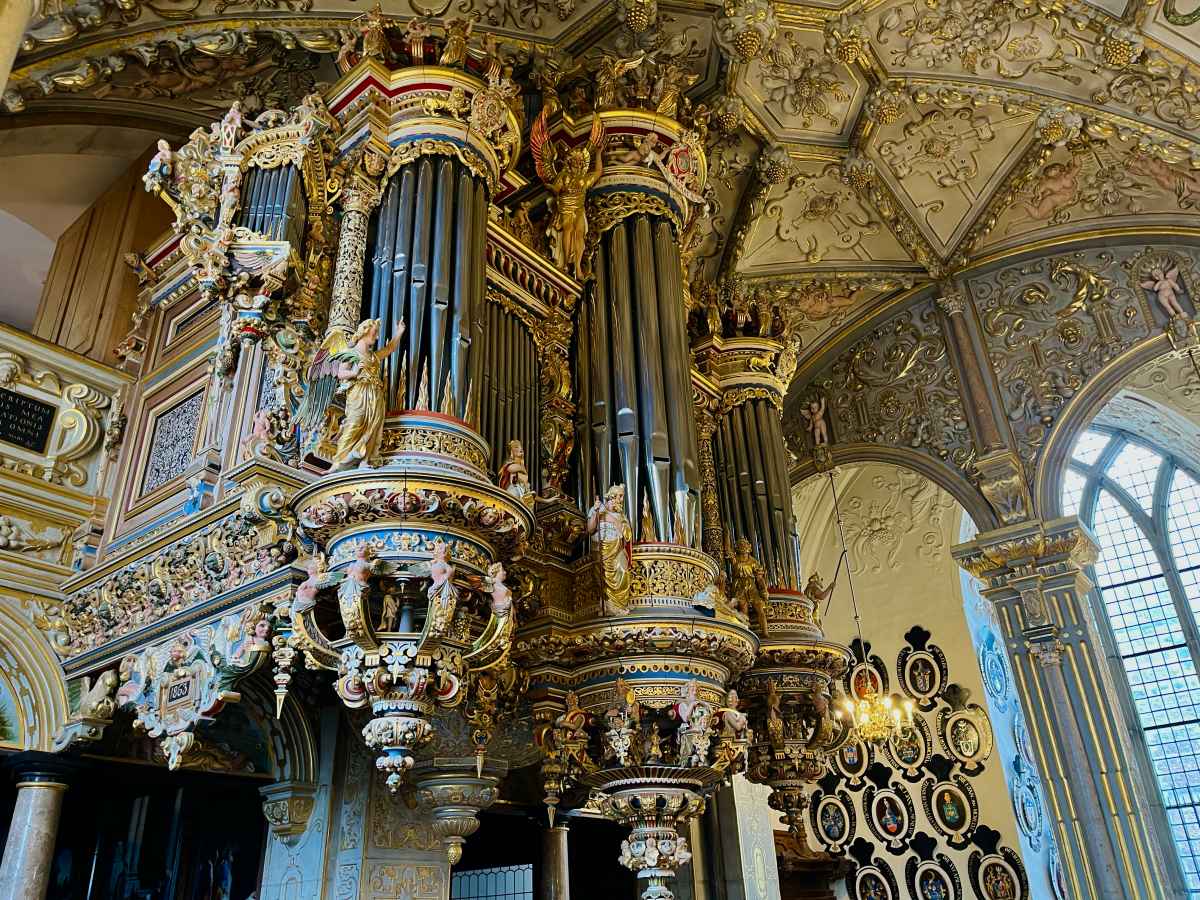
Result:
[{"x": 380, "y": 205}]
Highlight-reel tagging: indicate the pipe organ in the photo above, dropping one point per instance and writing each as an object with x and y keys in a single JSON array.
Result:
[
  {"x": 396, "y": 511},
  {"x": 427, "y": 271}
]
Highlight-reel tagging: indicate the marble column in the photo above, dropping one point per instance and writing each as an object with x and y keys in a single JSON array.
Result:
[
  {"x": 556, "y": 880},
  {"x": 25, "y": 870},
  {"x": 1098, "y": 800},
  {"x": 15, "y": 16}
]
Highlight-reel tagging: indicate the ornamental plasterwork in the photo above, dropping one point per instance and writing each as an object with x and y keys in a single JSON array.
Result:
[
  {"x": 1091, "y": 183},
  {"x": 799, "y": 92},
  {"x": 896, "y": 506},
  {"x": 945, "y": 161},
  {"x": 1051, "y": 323},
  {"x": 893, "y": 386},
  {"x": 815, "y": 217}
]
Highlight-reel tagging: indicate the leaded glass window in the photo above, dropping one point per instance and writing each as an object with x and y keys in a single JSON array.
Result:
[{"x": 1144, "y": 507}]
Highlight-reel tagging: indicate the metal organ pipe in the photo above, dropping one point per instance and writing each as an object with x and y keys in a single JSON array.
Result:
[{"x": 640, "y": 395}]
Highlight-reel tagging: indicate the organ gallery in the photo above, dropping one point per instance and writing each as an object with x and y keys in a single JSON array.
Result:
[{"x": 601, "y": 448}]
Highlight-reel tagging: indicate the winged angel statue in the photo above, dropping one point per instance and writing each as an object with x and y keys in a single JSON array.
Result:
[
  {"x": 352, "y": 365},
  {"x": 569, "y": 172}
]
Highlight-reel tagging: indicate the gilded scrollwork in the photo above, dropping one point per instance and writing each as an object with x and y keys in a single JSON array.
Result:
[
  {"x": 893, "y": 386},
  {"x": 1052, "y": 324}
]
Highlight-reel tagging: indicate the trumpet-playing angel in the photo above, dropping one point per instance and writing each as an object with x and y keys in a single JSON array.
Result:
[
  {"x": 569, "y": 172},
  {"x": 355, "y": 366}
]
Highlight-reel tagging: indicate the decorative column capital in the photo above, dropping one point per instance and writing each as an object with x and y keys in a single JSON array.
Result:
[
  {"x": 952, "y": 303},
  {"x": 34, "y": 767},
  {"x": 288, "y": 807},
  {"x": 361, "y": 195}
]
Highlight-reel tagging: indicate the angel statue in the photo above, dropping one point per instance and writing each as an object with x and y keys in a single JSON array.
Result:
[
  {"x": 354, "y": 365},
  {"x": 319, "y": 578},
  {"x": 514, "y": 476},
  {"x": 608, "y": 75},
  {"x": 816, "y": 591},
  {"x": 569, "y": 172}
]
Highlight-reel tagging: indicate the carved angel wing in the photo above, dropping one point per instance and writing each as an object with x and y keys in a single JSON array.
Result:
[
  {"x": 545, "y": 153},
  {"x": 596, "y": 137},
  {"x": 322, "y": 381}
]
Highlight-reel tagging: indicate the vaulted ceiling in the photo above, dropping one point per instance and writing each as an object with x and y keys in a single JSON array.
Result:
[{"x": 856, "y": 150}]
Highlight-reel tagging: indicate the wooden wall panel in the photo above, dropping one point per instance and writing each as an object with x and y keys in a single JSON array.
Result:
[{"x": 90, "y": 293}]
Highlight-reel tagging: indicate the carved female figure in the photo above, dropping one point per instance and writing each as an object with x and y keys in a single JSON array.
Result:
[
  {"x": 514, "y": 477},
  {"x": 366, "y": 399},
  {"x": 443, "y": 595},
  {"x": 610, "y": 529}
]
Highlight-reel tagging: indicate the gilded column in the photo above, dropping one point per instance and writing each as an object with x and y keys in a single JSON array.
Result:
[
  {"x": 25, "y": 870},
  {"x": 15, "y": 16},
  {"x": 1033, "y": 574},
  {"x": 359, "y": 197},
  {"x": 710, "y": 507},
  {"x": 1001, "y": 475},
  {"x": 556, "y": 875}
]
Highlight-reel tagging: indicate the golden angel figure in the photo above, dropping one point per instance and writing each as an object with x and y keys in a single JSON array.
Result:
[
  {"x": 750, "y": 583},
  {"x": 569, "y": 172},
  {"x": 610, "y": 529},
  {"x": 608, "y": 75},
  {"x": 355, "y": 366}
]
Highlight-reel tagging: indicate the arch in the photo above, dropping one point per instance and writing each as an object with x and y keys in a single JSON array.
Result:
[
  {"x": 1079, "y": 413},
  {"x": 31, "y": 667},
  {"x": 945, "y": 476},
  {"x": 291, "y": 736}
]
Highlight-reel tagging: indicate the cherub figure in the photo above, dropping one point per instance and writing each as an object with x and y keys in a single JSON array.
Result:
[
  {"x": 818, "y": 594},
  {"x": 818, "y": 428},
  {"x": 356, "y": 365},
  {"x": 158, "y": 173},
  {"x": 569, "y": 172},
  {"x": 1165, "y": 284},
  {"x": 640, "y": 152},
  {"x": 1055, "y": 190},
  {"x": 608, "y": 75},
  {"x": 319, "y": 578}
]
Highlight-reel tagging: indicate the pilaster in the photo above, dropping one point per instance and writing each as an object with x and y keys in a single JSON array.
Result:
[
  {"x": 1034, "y": 575},
  {"x": 1001, "y": 476}
]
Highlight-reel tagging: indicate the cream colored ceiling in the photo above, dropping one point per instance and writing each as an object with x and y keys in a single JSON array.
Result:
[
  {"x": 919, "y": 134},
  {"x": 1161, "y": 403},
  {"x": 50, "y": 175}
]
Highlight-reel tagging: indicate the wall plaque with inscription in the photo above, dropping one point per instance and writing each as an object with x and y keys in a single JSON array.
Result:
[{"x": 25, "y": 421}]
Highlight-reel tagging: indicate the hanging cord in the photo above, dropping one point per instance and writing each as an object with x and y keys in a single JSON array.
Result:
[{"x": 845, "y": 556}]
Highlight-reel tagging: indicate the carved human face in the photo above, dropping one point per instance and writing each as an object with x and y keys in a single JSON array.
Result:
[{"x": 262, "y": 629}]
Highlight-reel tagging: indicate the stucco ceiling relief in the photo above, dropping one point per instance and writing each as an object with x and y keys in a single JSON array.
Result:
[{"x": 944, "y": 162}]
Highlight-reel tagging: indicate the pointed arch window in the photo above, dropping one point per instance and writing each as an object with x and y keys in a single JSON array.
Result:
[{"x": 1144, "y": 507}]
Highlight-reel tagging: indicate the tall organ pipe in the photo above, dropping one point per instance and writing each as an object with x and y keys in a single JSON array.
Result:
[{"x": 642, "y": 417}]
